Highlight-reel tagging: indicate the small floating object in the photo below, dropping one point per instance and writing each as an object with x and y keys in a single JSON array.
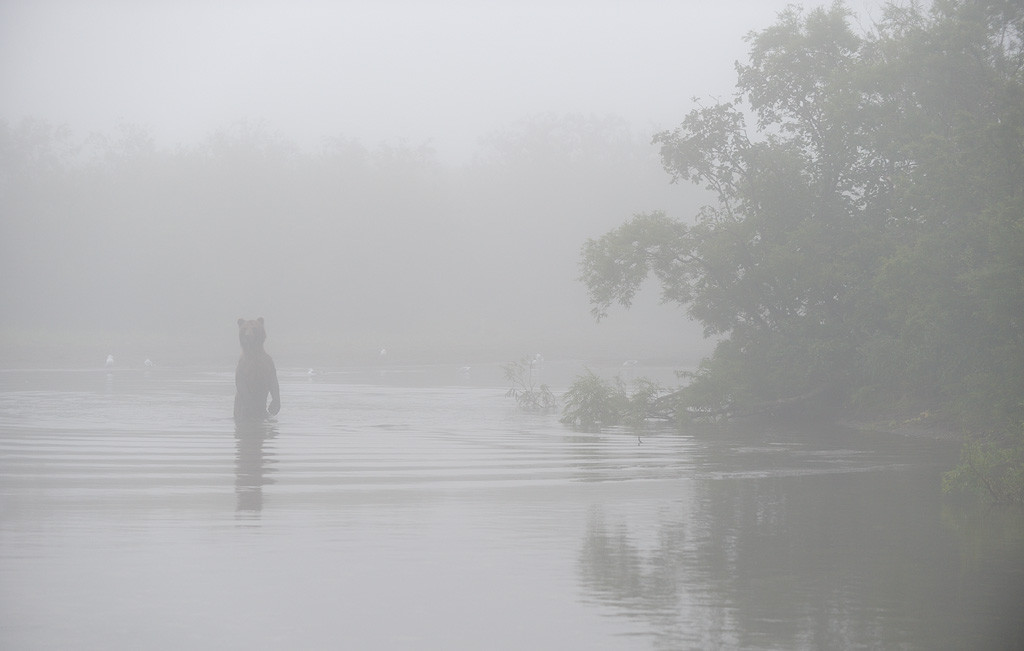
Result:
[
  {"x": 149, "y": 363},
  {"x": 110, "y": 361}
]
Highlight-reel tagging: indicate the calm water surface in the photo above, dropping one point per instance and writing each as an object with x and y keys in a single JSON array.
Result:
[{"x": 418, "y": 509}]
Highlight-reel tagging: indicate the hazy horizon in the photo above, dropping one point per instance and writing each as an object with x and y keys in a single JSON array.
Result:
[{"x": 454, "y": 157}]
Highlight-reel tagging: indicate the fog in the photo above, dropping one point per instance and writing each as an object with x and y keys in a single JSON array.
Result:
[{"x": 411, "y": 176}]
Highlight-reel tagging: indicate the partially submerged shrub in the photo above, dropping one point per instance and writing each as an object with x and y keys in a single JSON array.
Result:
[
  {"x": 990, "y": 467},
  {"x": 593, "y": 402},
  {"x": 529, "y": 395}
]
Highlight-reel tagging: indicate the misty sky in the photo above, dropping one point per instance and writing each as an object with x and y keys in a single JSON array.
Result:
[{"x": 382, "y": 70}]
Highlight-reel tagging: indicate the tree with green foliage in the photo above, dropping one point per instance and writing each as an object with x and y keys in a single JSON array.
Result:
[{"x": 865, "y": 248}]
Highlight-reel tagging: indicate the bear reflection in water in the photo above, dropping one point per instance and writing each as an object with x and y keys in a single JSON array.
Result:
[
  {"x": 253, "y": 463},
  {"x": 256, "y": 376}
]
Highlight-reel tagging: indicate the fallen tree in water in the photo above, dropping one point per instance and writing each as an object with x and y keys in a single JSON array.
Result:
[{"x": 593, "y": 402}]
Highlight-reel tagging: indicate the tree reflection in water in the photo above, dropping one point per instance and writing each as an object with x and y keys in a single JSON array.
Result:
[
  {"x": 252, "y": 465},
  {"x": 845, "y": 560},
  {"x": 646, "y": 585}
]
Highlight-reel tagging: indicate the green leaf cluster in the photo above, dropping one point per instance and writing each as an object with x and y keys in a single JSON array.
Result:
[{"x": 593, "y": 402}]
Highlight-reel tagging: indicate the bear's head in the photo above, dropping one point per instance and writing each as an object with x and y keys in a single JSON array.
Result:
[{"x": 251, "y": 334}]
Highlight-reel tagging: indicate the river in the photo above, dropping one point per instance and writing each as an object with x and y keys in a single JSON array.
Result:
[{"x": 418, "y": 508}]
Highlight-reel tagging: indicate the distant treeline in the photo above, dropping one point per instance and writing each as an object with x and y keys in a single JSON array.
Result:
[{"x": 347, "y": 248}]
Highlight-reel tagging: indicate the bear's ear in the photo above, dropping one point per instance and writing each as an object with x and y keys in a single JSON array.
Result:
[
  {"x": 260, "y": 319},
  {"x": 241, "y": 322}
]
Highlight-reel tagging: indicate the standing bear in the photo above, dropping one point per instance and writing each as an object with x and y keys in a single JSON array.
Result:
[{"x": 256, "y": 375}]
